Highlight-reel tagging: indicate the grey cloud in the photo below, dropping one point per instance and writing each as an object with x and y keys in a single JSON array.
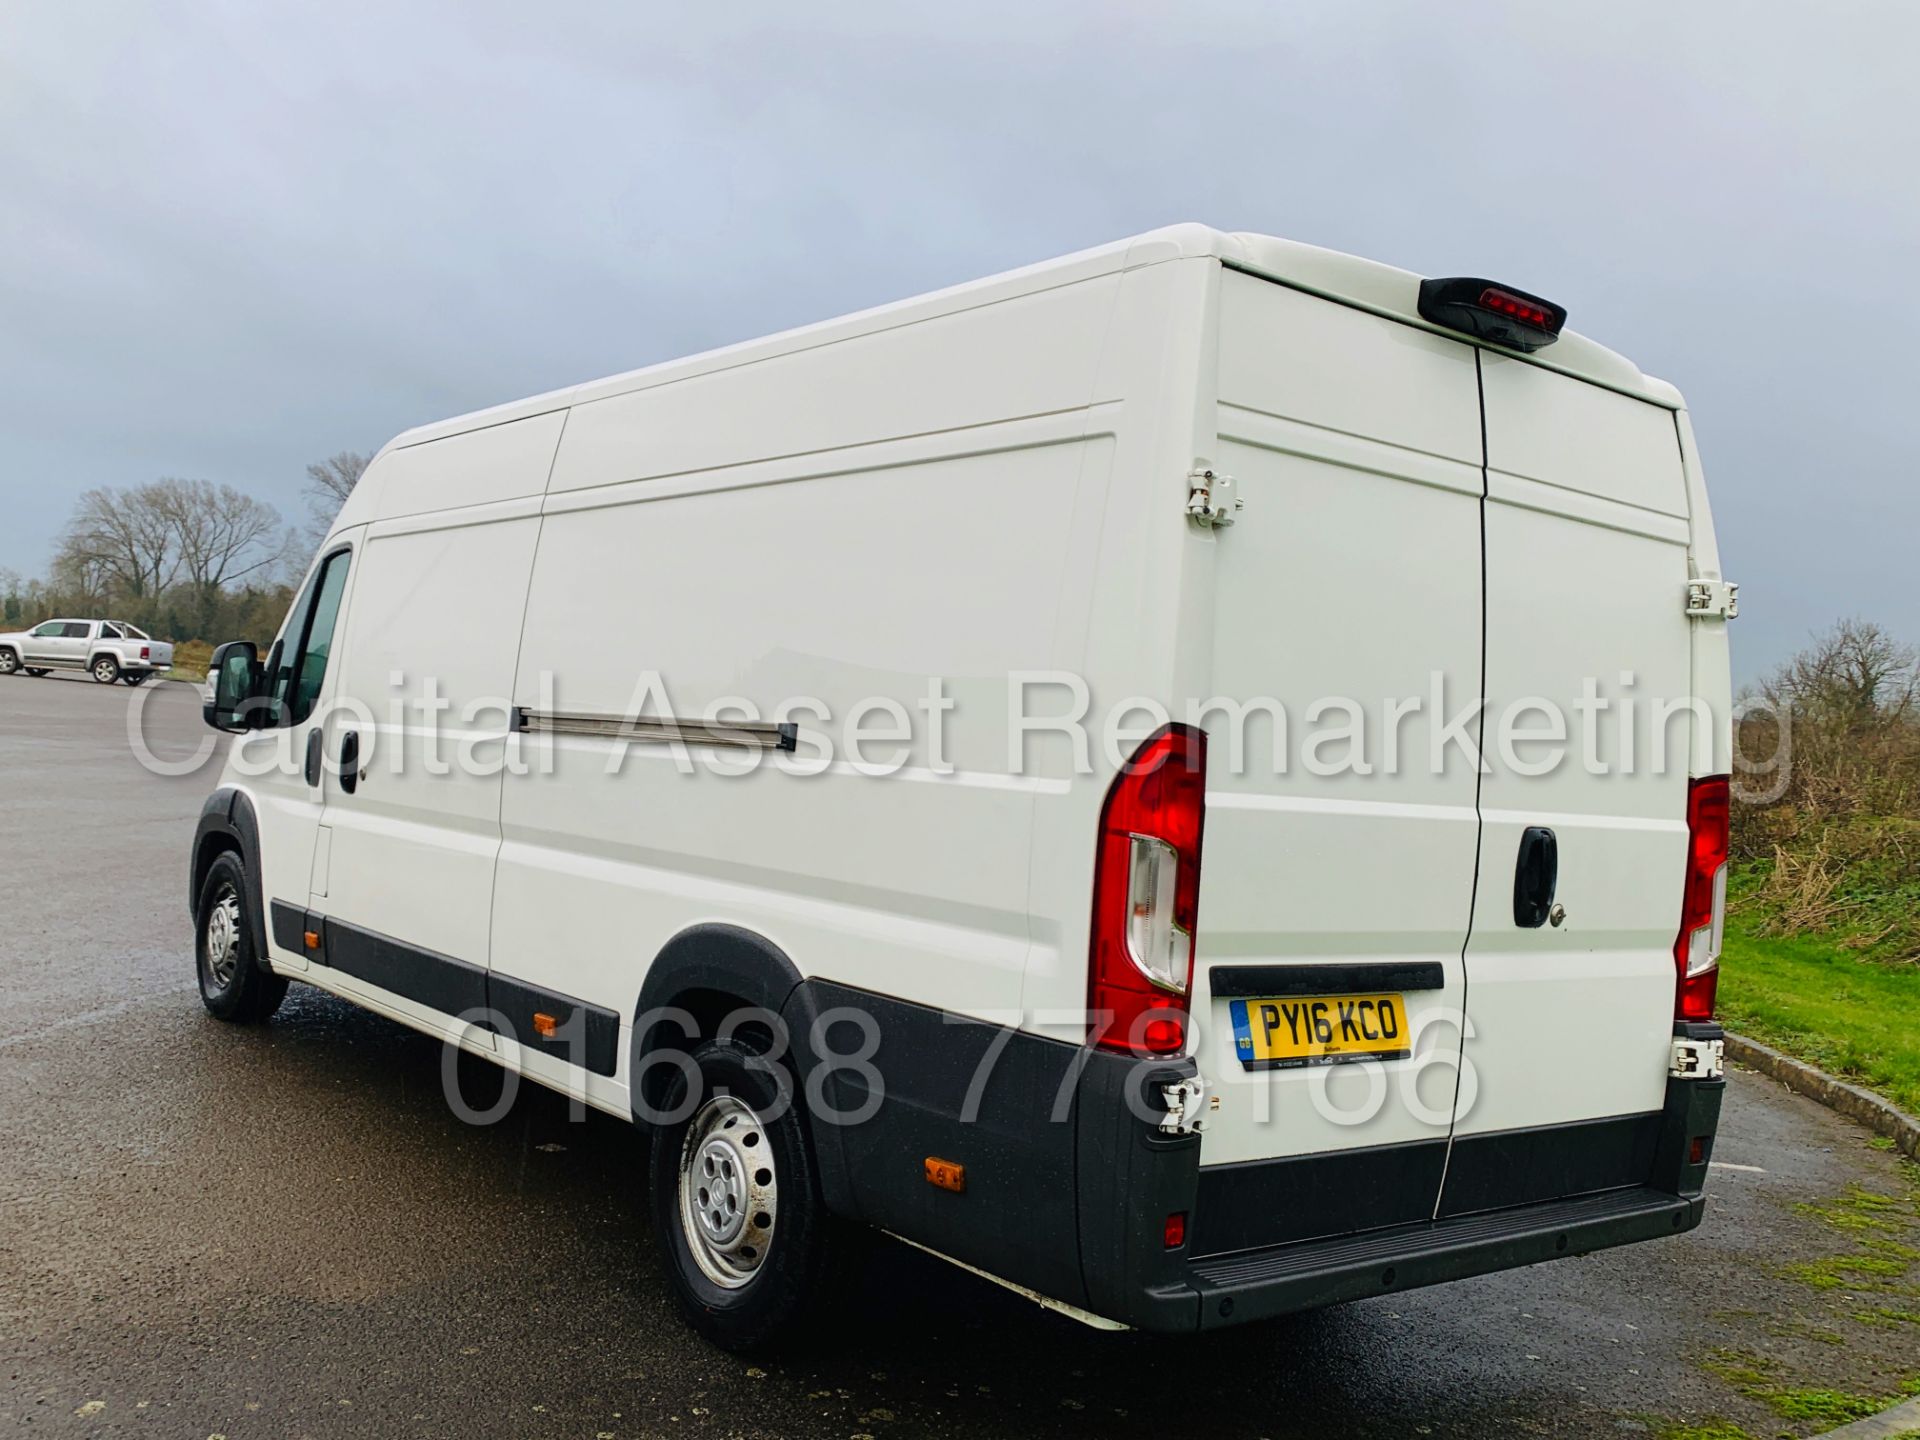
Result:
[{"x": 238, "y": 238}]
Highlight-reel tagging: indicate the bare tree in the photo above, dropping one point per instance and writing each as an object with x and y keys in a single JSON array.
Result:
[
  {"x": 1850, "y": 703},
  {"x": 1854, "y": 675},
  {"x": 221, "y": 535},
  {"x": 329, "y": 483},
  {"x": 83, "y": 580},
  {"x": 335, "y": 478},
  {"x": 122, "y": 541}
]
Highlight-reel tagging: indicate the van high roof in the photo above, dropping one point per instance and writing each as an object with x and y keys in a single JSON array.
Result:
[{"x": 1366, "y": 284}]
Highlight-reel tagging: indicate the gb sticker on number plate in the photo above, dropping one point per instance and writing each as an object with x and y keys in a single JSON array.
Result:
[{"x": 1285, "y": 1033}]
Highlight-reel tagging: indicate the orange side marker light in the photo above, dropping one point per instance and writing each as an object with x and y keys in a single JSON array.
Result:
[
  {"x": 312, "y": 937},
  {"x": 946, "y": 1175},
  {"x": 544, "y": 1024}
]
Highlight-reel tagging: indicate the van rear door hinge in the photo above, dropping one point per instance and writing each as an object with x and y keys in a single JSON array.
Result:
[
  {"x": 1698, "y": 1059},
  {"x": 1186, "y": 1102},
  {"x": 1707, "y": 598},
  {"x": 1211, "y": 498}
]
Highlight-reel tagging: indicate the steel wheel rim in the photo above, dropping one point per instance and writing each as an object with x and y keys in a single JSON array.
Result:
[
  {"x": 729, "y": 1192},
  {"x": 223, "y": 938}
]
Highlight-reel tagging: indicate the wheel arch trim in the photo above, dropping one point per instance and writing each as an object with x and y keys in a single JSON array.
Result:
[
  {"x": 228, "y": 822},
  {"x": 713, "y": 958}
]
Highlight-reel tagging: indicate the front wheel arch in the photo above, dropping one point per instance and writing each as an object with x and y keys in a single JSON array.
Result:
[
  {"x": 228, "y": 823},
  {"x": 236, "y": 986}
]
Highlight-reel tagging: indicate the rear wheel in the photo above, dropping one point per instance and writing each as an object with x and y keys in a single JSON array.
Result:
[
  {"x": 105, "y": 669},
  {"x": 36, "y": 674},
  {"x": 136, "y": 677},
  {"x": 736, "y": 1202},
  {"x": 9, "y": 662},
  {"x": 233, "y": 987}
]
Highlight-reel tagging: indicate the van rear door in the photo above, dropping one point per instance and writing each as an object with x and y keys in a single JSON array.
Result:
[
  {"x": 1346, "y": 874},
  {"x": 1570, "y": 1019}
]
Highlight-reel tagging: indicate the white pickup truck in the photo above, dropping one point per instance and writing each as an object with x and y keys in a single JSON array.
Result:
[{"x": 108, "y": 650}]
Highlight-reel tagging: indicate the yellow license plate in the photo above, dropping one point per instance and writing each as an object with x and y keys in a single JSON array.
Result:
[{"x": 1284, "y": 1033}]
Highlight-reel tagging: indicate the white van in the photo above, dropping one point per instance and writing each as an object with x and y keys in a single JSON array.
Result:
[{"x": 1053, "y": 770}]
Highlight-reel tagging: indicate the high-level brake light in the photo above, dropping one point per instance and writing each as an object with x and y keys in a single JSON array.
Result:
[
  {"x": 1492, "y": 312},
  {"x": 1146, "y": 893},
  {"x": 1512, "y": 306},
  {"x": 1703, "y": 911}
]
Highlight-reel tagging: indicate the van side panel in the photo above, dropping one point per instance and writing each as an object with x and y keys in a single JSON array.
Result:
[
  {"x": 1712, "y": 660},
  {"x": 1031, "y": 355},
  {"x": 481, "y": 467},
  {"x": 828, "y": 549}
]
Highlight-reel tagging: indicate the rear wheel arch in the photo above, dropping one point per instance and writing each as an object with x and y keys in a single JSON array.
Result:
[
  {"x": 707, "y": 973},
  {"x": 94, "y": 665}
]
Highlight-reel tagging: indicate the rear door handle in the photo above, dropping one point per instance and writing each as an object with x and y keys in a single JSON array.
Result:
[
  {"x": 1535, "y": 876},
  {"x": 314, "y": 741},
  {"x": 350, "y": 761}
]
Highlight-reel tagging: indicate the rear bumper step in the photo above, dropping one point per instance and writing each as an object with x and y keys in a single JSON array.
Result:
[{"x": 1256, "y": 1284}]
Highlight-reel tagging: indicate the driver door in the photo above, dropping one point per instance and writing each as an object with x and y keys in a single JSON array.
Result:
[{"x": 283, "y": 762}]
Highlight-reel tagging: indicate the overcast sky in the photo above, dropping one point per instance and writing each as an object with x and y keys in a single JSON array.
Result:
[{"x": 234, "y": 240}]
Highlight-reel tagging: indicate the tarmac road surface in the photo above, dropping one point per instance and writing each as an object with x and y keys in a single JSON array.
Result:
[{"x": 285, "y": 1232}]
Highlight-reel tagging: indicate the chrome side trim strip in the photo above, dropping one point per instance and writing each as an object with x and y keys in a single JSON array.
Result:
[{"x": 748, "y": 734}]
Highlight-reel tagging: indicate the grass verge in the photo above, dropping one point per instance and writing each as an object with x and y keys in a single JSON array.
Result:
[{"x": 1856, "y": 1018}]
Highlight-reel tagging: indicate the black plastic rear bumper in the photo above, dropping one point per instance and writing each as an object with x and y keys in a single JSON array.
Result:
[
  {"x": 1070, "y": 1181},
  {"x": 1258, "y": 1284},
  {"x": 1261, "y": 1283}
]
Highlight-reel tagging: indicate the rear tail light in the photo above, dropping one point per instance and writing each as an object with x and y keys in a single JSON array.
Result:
[
  {"x": 1146, "y": 893},
  {"x": 1703, "y": 913},
  {"x": 146, "y": 652}
]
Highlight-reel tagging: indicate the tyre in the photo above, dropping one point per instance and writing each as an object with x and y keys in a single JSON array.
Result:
[
  {"x": 136, "y": 677},
  {"x": 233, "y": 987},
  {"x": 9, "y": 662},
  {"x": 105, "y": 669},
  {"x": 36, "y": 674},
  {"x": 736, "y": 1202}
]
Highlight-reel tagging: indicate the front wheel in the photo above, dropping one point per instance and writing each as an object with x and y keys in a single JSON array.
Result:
[
  {"x": 9, "y": 662},
  {"x": 233, "y": 987},
  {"x": 736, "y": 1201},
  {"x": 106, "y": 669},
  {"x": 36, "y": 674},
  {"x": 135, "y": 677}
]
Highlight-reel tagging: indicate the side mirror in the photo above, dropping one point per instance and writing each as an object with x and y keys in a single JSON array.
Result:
[{"x": 234, "y": 673}]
